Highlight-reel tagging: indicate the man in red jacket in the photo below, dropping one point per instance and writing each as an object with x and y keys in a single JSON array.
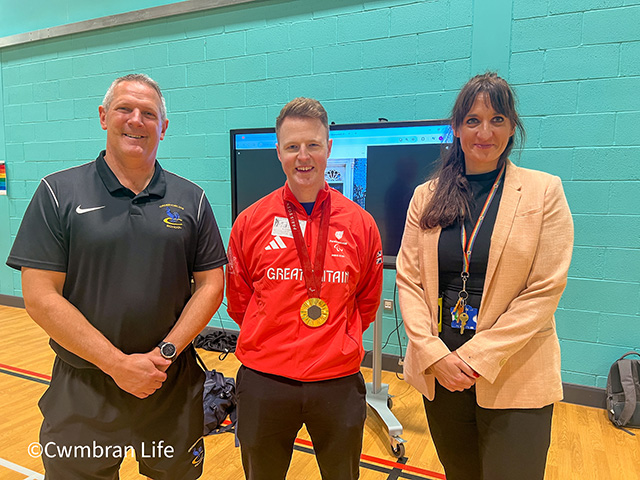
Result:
[{"x": 304, "y": 281}]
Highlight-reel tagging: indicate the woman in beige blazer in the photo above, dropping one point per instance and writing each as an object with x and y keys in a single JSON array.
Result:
[{"x": 489, "y": 364}]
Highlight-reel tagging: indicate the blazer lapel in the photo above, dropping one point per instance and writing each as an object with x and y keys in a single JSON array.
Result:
[{"x": 504, "y": 220}]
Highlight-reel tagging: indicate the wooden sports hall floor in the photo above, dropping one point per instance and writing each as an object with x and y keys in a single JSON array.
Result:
[{"x": 584, "y": 443}]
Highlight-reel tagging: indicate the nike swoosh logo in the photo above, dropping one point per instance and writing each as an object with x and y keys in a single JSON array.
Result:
[{"x": 80, "y": 210}]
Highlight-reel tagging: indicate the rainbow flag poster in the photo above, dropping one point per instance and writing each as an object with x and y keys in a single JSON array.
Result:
[{"x": 3, "y": 178}]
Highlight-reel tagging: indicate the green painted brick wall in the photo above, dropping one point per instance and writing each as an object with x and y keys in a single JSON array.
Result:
[
  {"x": 575, "y": 65},
  {"x": 41, "y": 14}
]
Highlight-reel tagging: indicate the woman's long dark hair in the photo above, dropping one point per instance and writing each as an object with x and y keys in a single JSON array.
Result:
[{"x": 452, "y": 196}]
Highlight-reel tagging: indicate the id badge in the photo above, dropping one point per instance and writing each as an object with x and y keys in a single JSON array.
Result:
[{"x": 472, "y": 323}]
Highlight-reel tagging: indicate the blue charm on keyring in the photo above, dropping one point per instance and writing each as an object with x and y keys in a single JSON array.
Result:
[{"x": 472, "y": 322}]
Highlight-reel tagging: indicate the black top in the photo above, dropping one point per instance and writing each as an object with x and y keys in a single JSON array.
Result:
[
  {"x": 450, "y": 261},
  {"x": 128, "y": 258}
]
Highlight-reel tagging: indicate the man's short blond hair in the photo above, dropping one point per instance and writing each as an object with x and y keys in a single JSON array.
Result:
[{"x": 303, "y": 107}]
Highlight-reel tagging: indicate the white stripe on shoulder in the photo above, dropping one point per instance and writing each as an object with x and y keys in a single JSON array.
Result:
[
  {"x": 192, "y": 183},
  {"x": 200, "y": 206},
  {"x": 59, "y": 171},
  {"x": 51, "y": 190}
]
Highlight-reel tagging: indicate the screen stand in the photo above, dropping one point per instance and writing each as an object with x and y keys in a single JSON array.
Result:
[{"x": 378, "y": 396}]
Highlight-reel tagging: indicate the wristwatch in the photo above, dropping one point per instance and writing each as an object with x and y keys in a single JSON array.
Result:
[{"x": 167, "y": 350}]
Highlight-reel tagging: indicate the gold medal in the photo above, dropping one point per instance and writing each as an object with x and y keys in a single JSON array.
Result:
[{"x": 314, "y": 312}]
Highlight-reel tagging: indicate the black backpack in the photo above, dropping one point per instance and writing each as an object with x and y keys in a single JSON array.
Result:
[
  {"x": 219, "y": 401},
  {"x": 623, "y": 392}
]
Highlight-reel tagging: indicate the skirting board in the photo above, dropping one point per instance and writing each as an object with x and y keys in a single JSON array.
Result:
[
  {"x": 11, "y": 301},
  {"x": 576, "y": 394},
  {"x": 584, "y": 395}
]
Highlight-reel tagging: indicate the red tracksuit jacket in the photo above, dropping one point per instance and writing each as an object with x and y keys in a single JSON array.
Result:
[{"x": 266, "y": 288}]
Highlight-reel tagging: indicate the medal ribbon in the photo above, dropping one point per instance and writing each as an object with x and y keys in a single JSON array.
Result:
[
  {"x": 312, "y": 274},
  {"x": 467, "y": 245}
]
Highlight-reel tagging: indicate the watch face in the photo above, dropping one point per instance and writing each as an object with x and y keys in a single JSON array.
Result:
[{"x": 168, "y": 350}]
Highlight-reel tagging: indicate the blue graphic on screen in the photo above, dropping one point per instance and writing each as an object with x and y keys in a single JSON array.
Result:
[{"x": 360, "y": 181}]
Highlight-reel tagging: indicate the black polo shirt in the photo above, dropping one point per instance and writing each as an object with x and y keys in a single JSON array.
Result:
[{"x": 128, "y": 258}]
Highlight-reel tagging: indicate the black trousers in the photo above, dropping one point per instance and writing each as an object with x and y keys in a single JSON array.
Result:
[
  {"x": 90, "y": 425},
  {"x": 475, "y": 443},
  {"x": 272, "y": 409}
]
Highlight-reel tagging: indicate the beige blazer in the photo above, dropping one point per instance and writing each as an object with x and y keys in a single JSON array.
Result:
[{"x": 515, "y": 349}]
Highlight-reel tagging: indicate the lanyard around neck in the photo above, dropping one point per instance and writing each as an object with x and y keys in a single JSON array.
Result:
[
  {"x": 467, "y": 244},
  {"x": 312, "y": 274}
]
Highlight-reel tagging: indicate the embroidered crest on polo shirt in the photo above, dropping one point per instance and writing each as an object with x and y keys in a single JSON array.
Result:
[
  {"x": 173, "y": 219},
  {"x": 197, "y": 451}
]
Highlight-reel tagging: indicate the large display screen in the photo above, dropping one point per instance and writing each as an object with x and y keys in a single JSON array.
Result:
[{"x": 377, "y": 165}]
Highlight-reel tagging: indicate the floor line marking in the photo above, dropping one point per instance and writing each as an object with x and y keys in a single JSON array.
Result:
[
  {"x": 373, "y": 466},
  {"x": 28, "y": 372},
  {"x": 17, "y": 468},
  {"x": 387, "y": 463},
  {"x": 409, "y": 468},
  {"x": 25, "y": 377}
]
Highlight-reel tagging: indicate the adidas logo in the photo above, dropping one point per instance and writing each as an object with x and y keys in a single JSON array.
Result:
[{"x": 276, "y": 244}]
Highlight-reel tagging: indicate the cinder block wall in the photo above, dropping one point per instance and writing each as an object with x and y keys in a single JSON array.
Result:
[{"x": 575, "y": 65}]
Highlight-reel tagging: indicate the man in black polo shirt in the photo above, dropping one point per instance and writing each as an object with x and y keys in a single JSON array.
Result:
[{"x": 107, "y": 252}]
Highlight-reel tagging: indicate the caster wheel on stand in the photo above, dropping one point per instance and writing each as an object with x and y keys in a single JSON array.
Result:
[{"x": 398, "y": 450}]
